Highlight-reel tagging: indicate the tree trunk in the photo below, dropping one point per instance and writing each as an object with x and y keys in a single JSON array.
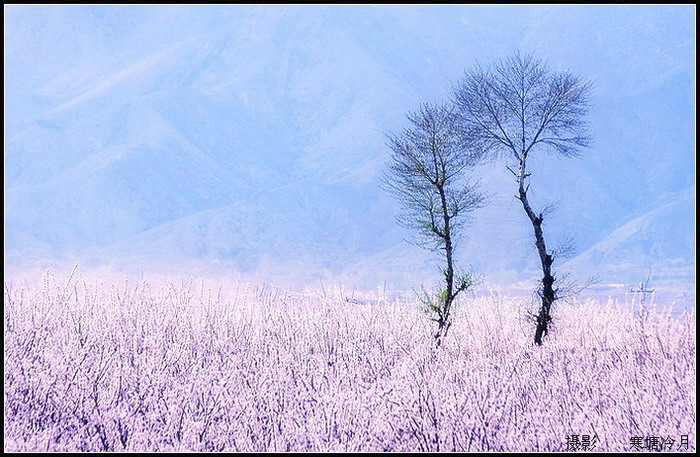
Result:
[
  {"x": 543, "y": 317},
  {"x": 443, "y": 325}
]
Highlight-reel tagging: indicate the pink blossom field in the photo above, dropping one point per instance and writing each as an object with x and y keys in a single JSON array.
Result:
[{"x": 135, "y": 366}]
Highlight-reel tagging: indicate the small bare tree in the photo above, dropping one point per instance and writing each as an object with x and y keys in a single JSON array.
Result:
[
  {"x": 513, "y": 109},
  {"x": 427, "y": 175}
]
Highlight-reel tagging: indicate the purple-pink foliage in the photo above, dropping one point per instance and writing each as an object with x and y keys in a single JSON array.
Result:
[{"x": 90, "y": 367}]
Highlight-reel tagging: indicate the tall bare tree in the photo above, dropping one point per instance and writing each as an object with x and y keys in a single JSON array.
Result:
[
  {"x": 426, "y": 173},
  {"x": 517, "y": 108}
]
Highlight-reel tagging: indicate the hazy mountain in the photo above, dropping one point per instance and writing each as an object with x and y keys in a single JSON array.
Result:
[
  {"x": 252, "y": 138},
  {"x": 659, "y": 240}
]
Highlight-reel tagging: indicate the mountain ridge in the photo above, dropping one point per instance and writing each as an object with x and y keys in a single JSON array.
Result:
[{"x": 255, "y": 136}]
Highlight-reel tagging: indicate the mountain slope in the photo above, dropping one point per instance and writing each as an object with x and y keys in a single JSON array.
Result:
[
  {"x": 662, "y": 240},
  {"x": 254, "y": 136}
]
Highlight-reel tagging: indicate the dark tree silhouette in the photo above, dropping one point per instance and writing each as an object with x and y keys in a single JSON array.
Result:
[
  {"x": 514, "y": 109},
  {"x": 427, "y": 175}
]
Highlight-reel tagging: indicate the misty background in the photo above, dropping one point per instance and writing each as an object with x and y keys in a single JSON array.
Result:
[{"x": 221, "y": 139}]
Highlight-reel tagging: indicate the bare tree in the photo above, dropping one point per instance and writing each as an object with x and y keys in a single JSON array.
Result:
[
  {"x": 427, "y": 175},
  {"x": 514, "y": 109}
]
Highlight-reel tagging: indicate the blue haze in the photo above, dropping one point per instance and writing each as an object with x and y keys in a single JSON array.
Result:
[{"x": 252, "y": 139}]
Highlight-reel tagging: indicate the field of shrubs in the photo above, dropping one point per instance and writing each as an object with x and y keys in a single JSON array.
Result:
[{"x": 134, "y": 366}]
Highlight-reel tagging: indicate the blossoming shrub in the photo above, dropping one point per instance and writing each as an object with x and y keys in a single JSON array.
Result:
[{"x": 134, "y": 367}]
